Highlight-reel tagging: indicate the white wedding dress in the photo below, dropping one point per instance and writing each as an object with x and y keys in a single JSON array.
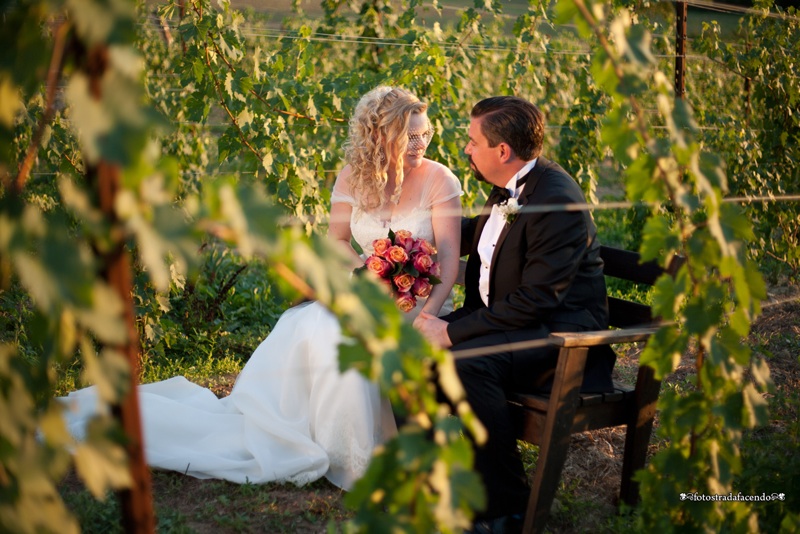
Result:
[{"x": 291, "y": 416}]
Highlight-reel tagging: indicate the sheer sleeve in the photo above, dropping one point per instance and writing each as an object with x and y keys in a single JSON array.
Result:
[
  {"x": 342, "y": 192},
  {"x": 442, "y": 185}
]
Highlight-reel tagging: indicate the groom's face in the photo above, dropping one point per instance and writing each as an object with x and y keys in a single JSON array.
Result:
[{"x": 483, "y": 159}]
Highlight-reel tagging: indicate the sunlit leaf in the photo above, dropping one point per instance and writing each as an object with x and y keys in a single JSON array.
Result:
[
  {"x": 91, "y": 119},
  {"x": 638, "y": 45},
  {"x": 754, "y": 411},
  {"x": 95, "y": 20},
  {"x": 659, "y": 238},
  {"x": 666, "y": 298},
  {"x": 761, "y": 373},
  {"x": 663, "y": 351},
  {"x": 108, "y": 371},
  {"x": 104, "y": 317},
  {"x": 100, "y": 461},
  {"x": 353, "y": 355},
  {"x": 10, "y": 101}
]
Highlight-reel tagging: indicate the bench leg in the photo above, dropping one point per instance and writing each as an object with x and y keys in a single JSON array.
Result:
[
  {"x": 637, "y": 435},
  {"x": 564, "y": 400}
]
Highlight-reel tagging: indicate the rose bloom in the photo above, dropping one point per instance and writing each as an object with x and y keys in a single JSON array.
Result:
[
  {"x": 404, "y": 282},
  {"x": 396, "y": 254},
  {"x": 425, "y": 247},
  {"x": 422, "y": 287},
  {"x": 403, "y": 239},
  {"x": 423, "y": 262},
  {"x": 378, "y": 265},
  {"x": 435, "y": 270},
  {"x": 406, "y": 302},
  {"x": 380, "y": 246}
]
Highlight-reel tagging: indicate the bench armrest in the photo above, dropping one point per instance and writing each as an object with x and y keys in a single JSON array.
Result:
[{"x": 601, "y": 337}]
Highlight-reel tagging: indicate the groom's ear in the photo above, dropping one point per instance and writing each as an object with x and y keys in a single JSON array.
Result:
[{"x": 506, "y": 153}]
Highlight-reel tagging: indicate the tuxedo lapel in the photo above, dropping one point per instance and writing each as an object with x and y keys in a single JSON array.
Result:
[
  {"x": 498, "y": 246},
  {"x": 527, "y": 190}
]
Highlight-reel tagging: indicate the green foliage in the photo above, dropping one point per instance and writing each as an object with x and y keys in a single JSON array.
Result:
[
  {"x": 222, "y": 126},
  {"x": 162, "y": 216},
  {"x": 770, "y": 467},
  {"x": 26, "y": 505},
  {"x": 762, "y": 134},
  {"x": 712, "y": 299},
  {"x": 225, "y": 311}
]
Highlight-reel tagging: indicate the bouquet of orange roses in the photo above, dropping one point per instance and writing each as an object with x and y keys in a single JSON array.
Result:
[{"x": 406, "y": 265}]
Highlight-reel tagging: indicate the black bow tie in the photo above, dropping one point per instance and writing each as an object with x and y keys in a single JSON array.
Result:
[{"x": 498, "y": 195}]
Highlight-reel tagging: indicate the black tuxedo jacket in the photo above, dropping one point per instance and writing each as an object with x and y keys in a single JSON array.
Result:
[{"x": 546, "y": 272}]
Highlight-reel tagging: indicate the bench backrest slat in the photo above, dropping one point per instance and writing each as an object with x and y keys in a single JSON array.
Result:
[
  {"x": 624, "y": 264},
  {"x": 626, "y": 314}
]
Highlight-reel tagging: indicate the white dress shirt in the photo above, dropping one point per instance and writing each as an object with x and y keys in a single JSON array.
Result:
[{"x": 491, "y": 232}]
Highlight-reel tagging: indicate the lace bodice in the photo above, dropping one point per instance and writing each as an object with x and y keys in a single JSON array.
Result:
[
  {"x": 432, "y": 183},
  {"x": 366, "y": 227}
]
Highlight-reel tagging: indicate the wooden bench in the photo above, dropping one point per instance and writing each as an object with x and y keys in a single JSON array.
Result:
[{"x": 549, "y": 420}]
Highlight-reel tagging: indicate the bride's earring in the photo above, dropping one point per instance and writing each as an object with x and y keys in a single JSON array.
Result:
[{"x": 382, "y": 155}]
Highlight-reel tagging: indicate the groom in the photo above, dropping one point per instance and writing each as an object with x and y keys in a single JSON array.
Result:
[{"x": 528, "y": 274}]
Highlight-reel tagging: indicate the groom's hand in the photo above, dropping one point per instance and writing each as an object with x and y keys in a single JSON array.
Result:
[{"x": 434, "y": 329}]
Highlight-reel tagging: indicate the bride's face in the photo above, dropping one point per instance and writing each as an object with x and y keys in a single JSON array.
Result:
[{"x": 420, "y": 132}]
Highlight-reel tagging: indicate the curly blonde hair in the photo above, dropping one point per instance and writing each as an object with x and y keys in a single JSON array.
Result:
[{"x": 378, "y": 138}]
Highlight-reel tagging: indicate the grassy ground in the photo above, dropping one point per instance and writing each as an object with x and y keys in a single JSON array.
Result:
[{"x": 586, "y": 499}]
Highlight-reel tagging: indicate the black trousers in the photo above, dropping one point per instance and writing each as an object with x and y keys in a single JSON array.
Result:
[{"x": 486, "y": 380}]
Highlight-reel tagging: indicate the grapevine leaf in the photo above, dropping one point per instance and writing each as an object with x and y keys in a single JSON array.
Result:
[
  {"x": 761, "y": 373},
  {"x": 109, "y": 371},
  {"x": 196, "y": 108},
  {"x": 754, "y": 410},
  {"x": 353, "y": 355},
  {"x": 658, "y": 238},
  {"x": 666, "y": 297},
  {"x": 663, "y": 351},
  {"x": 100, "y": 461},
  {"x": 229, "y": 144},
  {"x": 10, "y": 101},
  {"x": 638, "y": 46},
  {"x": 104, "y": 317},
  {"x": 96, "y": 20}
]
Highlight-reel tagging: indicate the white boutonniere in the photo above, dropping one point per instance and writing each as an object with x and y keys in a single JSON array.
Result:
[{"x": 509, "y": 209}]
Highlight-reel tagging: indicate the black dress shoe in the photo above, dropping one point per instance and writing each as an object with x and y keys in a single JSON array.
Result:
[{"x": 508, "y": 524}]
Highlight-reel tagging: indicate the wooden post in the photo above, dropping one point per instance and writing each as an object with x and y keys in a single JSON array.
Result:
[
  {"x": 681, "y": 13},
  {"x": 137, "y": 502},
  {"x": 182, "y": 13}
]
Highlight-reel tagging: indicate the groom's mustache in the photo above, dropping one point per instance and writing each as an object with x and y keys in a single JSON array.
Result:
[{"x": 475, "y": 171}]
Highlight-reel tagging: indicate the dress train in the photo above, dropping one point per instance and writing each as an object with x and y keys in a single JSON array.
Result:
[{"x": 291, "y": 416}]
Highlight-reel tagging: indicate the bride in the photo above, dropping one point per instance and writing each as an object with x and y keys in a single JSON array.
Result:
[{"x": 292, "y": 416}]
